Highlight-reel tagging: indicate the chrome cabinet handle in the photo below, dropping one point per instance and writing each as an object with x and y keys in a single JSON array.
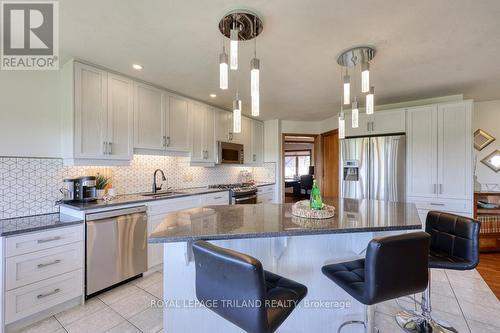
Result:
[
  {"x": 46, "y": 240},
  {"x": 230, "y": 136},
  {"x": 110, "y": 150},
  {"x": 373, "y": 126},
  {"x": 49, "y": 294},
  {"x": 49, "y": 263},
  {"x": 440, "y": 188},
  {"x": 368, "y": 126},
  {"x": 105, "y": 148},
  {"x": 215, "y": 198},
  {"x": 254, "y": 157},
  {"x": 436, "y": 204},
  {"x": 164, "y": 141}
]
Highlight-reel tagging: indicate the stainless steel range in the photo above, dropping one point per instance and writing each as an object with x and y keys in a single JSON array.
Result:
[{"x": 240, "y": 193}]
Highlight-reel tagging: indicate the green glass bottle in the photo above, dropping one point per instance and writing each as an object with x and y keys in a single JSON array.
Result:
[{"x": 315, "y": 201}]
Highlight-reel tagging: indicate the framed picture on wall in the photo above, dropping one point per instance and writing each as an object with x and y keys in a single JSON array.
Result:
[
  {"x": 482, "y": 139},
  {"x": 493, "y": 160}
]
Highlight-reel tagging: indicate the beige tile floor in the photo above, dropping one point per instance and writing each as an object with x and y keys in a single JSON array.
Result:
[{"x": 460, "y": 298}]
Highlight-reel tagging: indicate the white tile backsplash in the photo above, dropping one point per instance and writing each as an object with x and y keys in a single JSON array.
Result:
[{"x": 30, "y": 186}]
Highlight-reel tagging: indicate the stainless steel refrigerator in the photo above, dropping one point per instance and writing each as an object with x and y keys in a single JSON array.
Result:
[{"x": 374, "y": 168}]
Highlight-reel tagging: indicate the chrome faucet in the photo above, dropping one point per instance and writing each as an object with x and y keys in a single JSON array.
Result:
[{"x": 157, "y": 188}]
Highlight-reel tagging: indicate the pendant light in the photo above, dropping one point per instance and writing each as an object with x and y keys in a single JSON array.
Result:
[
  {"x": 223, "y": 69},
  {"x": 355, "y": 114},
  {"x": 234, "y": 47},
  {"x": 365, "y": 77},
  {"x": 369, "y": 100},
  {"x": 341, "y": 125},
  {"x": 254, "y": 82},
  {"x": 237, "y": 115},
  {"x": 347, "y": 88}
]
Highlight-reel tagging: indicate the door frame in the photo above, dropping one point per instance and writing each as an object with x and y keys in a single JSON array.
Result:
[{"x": 321, "y": 144}]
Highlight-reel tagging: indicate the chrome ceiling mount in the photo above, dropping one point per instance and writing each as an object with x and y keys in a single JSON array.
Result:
[
  {"x": 356, "y": 55},
  {"x": 247, "y": 22}
]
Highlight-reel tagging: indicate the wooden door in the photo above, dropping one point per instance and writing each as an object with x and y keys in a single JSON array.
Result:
[
  {"x": 120, "y": 118},
  {"x": 330, "y": 163}
]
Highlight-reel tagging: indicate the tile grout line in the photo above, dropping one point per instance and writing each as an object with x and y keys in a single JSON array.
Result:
[
  {"x": 64, "y": 328},
  {"x": 458, "y": 302}
]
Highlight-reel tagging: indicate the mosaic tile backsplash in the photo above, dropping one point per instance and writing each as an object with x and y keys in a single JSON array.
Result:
[{"x": 30, "y": 186}]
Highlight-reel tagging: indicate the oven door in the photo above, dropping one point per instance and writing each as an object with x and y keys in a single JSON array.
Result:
[{"x": 244, "y": 200}]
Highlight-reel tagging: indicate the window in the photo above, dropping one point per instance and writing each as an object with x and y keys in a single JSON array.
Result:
[{"x": 297, "y": 163}]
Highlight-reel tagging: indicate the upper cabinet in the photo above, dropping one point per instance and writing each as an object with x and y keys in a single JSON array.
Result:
[
  {"x": 380, "y": 122},
  {"x": 178, "y": 135},
  {"x": 149, "y": 117},
  {"x": 97, "y": 116},
  {"x": 258, "y": 142},
  {"x": 439, "y": 154},
  {"x": 202, "y": 127}
]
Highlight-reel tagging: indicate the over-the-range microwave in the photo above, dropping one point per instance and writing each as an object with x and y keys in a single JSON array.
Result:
[{"x": 229, "y": 153}]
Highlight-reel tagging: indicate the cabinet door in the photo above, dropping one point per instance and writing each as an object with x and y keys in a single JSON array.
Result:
[
  {"x": 222, "y": 125},
  {"x": 149, "y": 117},
  {"x": 363, "y": 125},
  {"x": 234, "y": 137},
  {"x": 387, "y": 122},
  {"x": 209, "y": 134},
  {"x": 120, "y": 118},
  {"x": 90, "y": 112},
  {"x": 196, "y": 117},
  {"x": 421, "y": 155},
  {"x": 246, "y": 139},
  {"x": 178, "y": 138},
  {"x": 454, "y": 150},
  {"x": 258, "y": 142}
]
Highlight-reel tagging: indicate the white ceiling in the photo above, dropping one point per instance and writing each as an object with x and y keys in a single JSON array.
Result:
[{"x": 425, "y": 48}]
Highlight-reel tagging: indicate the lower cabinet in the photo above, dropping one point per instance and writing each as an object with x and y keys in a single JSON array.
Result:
[
  {"x": 265, "y": 194},
  {"x": 42, "y": 270},
  {"x": 158, "y": 211}
]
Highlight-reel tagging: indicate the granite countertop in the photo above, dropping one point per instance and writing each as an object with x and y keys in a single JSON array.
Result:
[
  {"x": 21, "y": 225},
  {"x": 275, "y": 220},
  {"x": 138, "y": 198}
]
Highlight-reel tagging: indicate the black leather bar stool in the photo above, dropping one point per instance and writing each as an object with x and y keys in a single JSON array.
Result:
[
  {"x": 454, "y": 245},
  {"x": 394, "y": 266},
  {"x": 253, "y": 299}
]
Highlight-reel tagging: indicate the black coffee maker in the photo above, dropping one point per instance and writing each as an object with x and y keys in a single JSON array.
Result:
[{"x": 85, "y": 189}]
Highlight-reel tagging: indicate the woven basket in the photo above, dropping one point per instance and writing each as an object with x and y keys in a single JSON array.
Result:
[{"x": 302, "y": 209}]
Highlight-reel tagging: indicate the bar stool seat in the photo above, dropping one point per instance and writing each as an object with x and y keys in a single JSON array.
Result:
[
  {"x": 350, "y": 276},
  {"x": 224, "y": 275}
]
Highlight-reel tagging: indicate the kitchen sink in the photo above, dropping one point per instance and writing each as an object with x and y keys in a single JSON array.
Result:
[{"x": 161, "y": 194}]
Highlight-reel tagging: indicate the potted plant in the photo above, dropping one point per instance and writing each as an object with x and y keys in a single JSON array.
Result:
[{"x": 100, "y": 183}]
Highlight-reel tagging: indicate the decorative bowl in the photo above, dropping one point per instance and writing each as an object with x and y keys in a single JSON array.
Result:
[{"x": 303, "y": 210}]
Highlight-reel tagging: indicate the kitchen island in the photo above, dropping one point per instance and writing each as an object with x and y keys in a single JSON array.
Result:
[{"x": 293, "y": 247}]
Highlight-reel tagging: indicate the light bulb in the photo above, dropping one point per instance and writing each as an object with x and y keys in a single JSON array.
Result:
[
  {"x": 355, "y": 114},
  {"x": 369, "y": 100},
  {"x": 341, "y": 126},
  {"x": 347, "y": 89},
  {"x": 255, "y": 105},
  {"x": 237, "y": 116},
  {"x": 223, "y": 71},
  {"x": 254, "y": 76},
  {"x": 234, "y": 49},
  {"x": 365, "y": 77}
]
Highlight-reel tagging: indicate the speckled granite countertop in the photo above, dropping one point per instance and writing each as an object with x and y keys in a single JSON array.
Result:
[
  {"x": 138, "y": 198},
  {"x": 275, "y": 220},
  {"x": 22, "y": 225}
]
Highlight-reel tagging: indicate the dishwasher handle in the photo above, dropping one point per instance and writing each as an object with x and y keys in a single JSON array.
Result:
[{"x": 115, "y": 213}]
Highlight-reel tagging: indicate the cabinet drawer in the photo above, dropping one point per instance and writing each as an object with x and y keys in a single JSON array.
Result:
[
  {"x": 17, "y": 245},
  {"x": 461, "y": 206},
  {"x": 33, "y": 267},
  {"x": 265, "y": 198},
  {"x": 173, "y": 205},
  {"x": 36, "y": 297},
  {"x": 219, "y": 198},
  {"x": 265, "y": 189}
]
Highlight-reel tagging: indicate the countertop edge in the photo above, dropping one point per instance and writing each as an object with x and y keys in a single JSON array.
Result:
[{"x": 41, "y": 228}]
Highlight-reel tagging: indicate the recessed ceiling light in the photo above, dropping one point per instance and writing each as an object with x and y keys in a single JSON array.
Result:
[
  {"x": 213, "y": 95},
  {"x": 137, "y": 66}
]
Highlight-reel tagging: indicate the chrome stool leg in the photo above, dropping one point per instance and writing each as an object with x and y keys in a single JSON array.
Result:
[
  {"x": 368, "y": 323},
  {"x": 414, "y": 322}
]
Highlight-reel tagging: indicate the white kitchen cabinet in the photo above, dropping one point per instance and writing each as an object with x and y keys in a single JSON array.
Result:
[
  {"x": 380, "y": 122},
  {"x": 257, "y": 142},
  {"x": 265, "y": 194},
  {"x": 439, "y": 156},
  {"x": 223, "y": 126},
  {"x": 150, "y": 131},
  {"x": 177, "y": 123},
  {"x": 97, "y": 116},
  {"x": 421, "y": 152},
  {"x": 202, "y": 127},
  {"x": 246, "y": 139}
]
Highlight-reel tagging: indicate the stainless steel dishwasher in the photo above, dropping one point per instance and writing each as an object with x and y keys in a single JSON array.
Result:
[{"x": 116, "y": 247}]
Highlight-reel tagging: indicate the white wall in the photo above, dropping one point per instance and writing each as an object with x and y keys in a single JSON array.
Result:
[
  {"x": 487, "y": 118},
  {"x": 300, "y": 127},
  {"x": 29, "y": 114}
]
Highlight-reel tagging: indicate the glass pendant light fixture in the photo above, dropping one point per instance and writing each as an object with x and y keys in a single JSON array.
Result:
[
  {"x": 341, "y": 125},
  {"x": 254, "y": 82},
  {"x": 223, "y": 69},
  {"x": 369, "y": 100},
  {"x": 234, "y": 47},
  {"x": 355, "y": 114},
  {"x": 347, "y": 88},
  {"x": 237, "y": 115},
  {"x": 365, "y": 77}
]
